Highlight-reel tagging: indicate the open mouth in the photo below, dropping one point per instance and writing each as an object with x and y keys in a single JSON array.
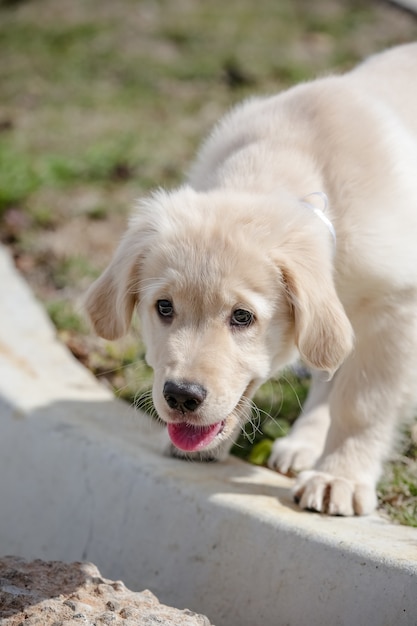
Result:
[{"x": 191, "y": 438}]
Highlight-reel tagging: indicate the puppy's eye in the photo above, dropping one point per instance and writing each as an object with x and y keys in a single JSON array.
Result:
[
  {"x": 241, "y": 317},
  {"x": 165, "y": 308}
]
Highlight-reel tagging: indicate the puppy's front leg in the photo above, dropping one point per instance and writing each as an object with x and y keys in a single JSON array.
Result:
[
  {"x": 303, "y": 446},
  {"x": 373, "y": 388}
]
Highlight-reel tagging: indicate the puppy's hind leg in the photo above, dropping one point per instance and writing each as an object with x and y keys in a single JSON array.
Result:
[{"x": 305, "y": 443}]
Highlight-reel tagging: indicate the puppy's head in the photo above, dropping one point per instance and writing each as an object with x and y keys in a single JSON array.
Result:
[{"x": 227, "y": 287}]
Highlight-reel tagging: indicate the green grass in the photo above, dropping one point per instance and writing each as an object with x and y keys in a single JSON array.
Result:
[
  {"x": 278, "y": 404},
  {"x": 398, "y": 492},
  {"x": 64, "y": 316},
  {"x": 103, "y": 100},
  {"x": 70, "y": 270},
  {"x": 21, "y": 174},
  {"x": 398, "y": 487},
  {"x": 18, "y": 177}
]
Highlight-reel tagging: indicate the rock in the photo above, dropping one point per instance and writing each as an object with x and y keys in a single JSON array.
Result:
[{"x": 52, "y": 593}]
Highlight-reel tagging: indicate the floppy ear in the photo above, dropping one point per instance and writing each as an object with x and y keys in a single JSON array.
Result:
[
  {"x": 110, "y": 301},
  {"x": 323, "y": 333}
]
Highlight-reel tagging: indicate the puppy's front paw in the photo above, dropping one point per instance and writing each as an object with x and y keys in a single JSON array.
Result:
[
  {"x": 290, "y": 455},
  {"x": 319, "y": 491}
]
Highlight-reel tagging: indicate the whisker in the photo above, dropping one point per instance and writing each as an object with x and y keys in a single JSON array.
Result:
[
  {"x": 142, "y": 401},
  {"x": 300, "y": 406},
  {"x": 249, "y": 413},
  {"x": 118, "y": 368}
]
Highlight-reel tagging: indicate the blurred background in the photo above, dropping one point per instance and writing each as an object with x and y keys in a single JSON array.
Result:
[{"x": 101, "y": 101}]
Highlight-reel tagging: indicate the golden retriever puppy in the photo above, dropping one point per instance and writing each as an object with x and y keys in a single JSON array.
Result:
[{"x": 294, "y": 236}]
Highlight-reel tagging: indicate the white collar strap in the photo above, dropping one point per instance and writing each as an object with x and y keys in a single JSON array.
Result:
[{"x": 319, "y": 212}]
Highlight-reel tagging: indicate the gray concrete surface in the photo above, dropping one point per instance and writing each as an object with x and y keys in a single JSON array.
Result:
[
  {"x": 408, "y": 5},
  {"x": 82, "y": 478}
]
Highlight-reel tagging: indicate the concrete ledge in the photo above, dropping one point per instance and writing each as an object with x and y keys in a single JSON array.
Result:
[
  {"x": 407, "y": 5},
  {"x": 82, "y": 478}
]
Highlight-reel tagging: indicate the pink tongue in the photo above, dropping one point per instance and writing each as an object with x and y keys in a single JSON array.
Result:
[{"x": 191, "y": 438}]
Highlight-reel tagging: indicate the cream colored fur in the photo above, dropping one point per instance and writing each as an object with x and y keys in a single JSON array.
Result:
[{"x": 238, "y": 235}]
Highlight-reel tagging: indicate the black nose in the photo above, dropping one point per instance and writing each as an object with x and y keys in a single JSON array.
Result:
[{"x": 183, "y": 396}]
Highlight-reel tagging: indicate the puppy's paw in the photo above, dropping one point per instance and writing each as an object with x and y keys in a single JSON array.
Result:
[
  {"x": 325, "y": 493},
  {"x": 289, "y": 455}
]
